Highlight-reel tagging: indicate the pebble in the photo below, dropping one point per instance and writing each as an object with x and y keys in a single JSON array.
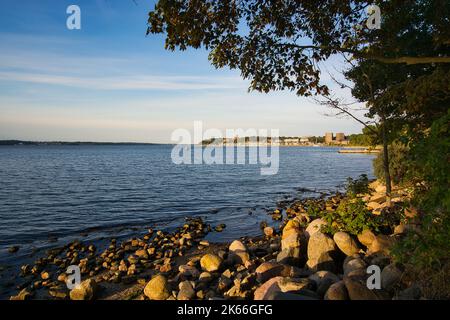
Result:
[{"x": 157, "y": 288}]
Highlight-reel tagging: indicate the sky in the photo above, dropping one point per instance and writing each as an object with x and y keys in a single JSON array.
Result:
[{"x": 110, "y": 82}]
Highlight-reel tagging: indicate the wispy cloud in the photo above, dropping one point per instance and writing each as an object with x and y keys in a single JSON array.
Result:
[
  {"x": 126, "y": 82},
  {"x": 26, "y": 60}
]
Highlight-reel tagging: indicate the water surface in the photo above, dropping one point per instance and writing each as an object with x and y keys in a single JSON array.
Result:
[{"x": 52, "y": 194}]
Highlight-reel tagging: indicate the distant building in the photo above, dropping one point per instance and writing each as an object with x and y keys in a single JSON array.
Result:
[
  {"x": 329, "y": 137},
  {"x": 340, "y": 138}
]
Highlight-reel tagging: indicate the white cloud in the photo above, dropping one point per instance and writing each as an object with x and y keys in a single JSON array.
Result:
[{"x": 127, "y": 82}]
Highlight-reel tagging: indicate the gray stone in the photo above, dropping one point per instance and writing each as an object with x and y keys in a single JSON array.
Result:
[
  {"x": 390, "y": 276},
  {"x": 337, "y": 291},
  {"x": 353, "y": 263}
]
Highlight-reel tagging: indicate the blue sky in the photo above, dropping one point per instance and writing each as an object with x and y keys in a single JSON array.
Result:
[{"x": 109, "y": 82}]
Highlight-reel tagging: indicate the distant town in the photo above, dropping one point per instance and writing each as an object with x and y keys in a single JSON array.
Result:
[
  {"x": 338, "y": 139},
  {"x": 329, "y": 139}
]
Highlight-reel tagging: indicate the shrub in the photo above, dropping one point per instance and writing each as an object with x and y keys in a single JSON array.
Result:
[
  {"x": 399, "y": 163},
  {"x": 352, "y": 216},
  {"x": 430, "y": 247},
  {"x": 360, "y": 185}
]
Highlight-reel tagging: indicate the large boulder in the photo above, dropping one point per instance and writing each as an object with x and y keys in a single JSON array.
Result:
[
  {"x": 357, "y": 290},
  {"x": 314, "y": 227},
  {"x": 272, "y": 287},
  {"x": 320, "y": 244},
  {"x": 324, "y": 262},
  {"x": 211, "y": 262},
  {"x": 320, "y": 276},
  {"x": 157, "y": 288},
  {"x": 321, "y": 249},
  {"x": 291, "y": 239},
  {"x": 267, "y": 270},
  {"x": 390, "y": 276},
  {"x": 346, "y": 243},
  {"x": 323, "y": 280},
  {"x": 86, "y": 290},
  {"x": 366, "y": 237},
  {"x": 337, "y": 291},
  {"x": 382, "y": 244},
  {"x": 267, "y": 289},
  {"x": 354, "y": 263},
  {"x": 289, "y": 256}
]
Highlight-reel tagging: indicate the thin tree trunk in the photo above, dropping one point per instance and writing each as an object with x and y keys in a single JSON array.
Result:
[{"x": 387, "y": 174}]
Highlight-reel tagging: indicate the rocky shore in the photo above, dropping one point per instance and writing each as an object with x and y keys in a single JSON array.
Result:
[{"x": 316, "y": 253}]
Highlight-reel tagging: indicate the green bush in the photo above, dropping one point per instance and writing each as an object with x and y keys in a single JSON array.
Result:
[
  {"x": 430, "y": 247},
  {"x": 360, "y": 185},
  {"x": 352, "y": 216},
  {"x": 399, "y": 163}
]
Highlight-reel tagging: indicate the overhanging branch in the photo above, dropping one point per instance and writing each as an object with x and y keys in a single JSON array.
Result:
[{"x": 359, "y": 54}]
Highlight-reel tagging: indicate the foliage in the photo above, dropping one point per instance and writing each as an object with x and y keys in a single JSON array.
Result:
[
  {"x": 317, "y": 139},
  {"x": 366, "y": 138},
  {"x": 360, "y": 185},
  {"x": 431, "y": 247},
  {"x": 278, "y": 44},
  {"x": 352, "y": 216},
  {"x": 399, "y": 163},
  {"x": 314, "y": 210}
]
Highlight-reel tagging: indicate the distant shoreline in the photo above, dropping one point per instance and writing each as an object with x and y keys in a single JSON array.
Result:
[
  {"x": 90, "y": 143},
  {"x": 70, "y": 143}
]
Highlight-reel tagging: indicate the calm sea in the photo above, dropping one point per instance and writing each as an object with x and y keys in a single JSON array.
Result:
[{"x": 52, "y": 194}]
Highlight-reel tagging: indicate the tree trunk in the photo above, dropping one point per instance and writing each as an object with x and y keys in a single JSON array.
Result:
[{"x": 387, "y": 174}]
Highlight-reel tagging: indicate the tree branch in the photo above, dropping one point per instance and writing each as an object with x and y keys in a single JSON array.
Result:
[
  {"x": 335, "y": 105},
  {"x": 359, "y": 54}
]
